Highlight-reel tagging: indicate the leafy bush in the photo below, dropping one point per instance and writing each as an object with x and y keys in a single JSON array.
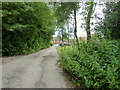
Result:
[
  {"x": 26, "y": 27},
  {"x": 96, "y": 64},
  {"x": 51, "y": 43}
]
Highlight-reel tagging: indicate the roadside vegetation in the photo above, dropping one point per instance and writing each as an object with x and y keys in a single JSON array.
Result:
[
  {"x": 26, "y": 27},
  {"x": 94, "y": 63}
]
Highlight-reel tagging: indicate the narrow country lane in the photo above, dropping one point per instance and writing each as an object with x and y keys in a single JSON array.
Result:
[{"x": 37, "y": 70}]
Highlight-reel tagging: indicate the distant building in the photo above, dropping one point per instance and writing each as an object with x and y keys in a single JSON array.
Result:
[
  {"x": 56, "y": 40},
  {"x": 71, "y": 30},
  {"x": 71, "y": 33}
]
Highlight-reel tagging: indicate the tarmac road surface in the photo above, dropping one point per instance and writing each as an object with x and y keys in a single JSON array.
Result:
[{"x": 37, "y": 70}]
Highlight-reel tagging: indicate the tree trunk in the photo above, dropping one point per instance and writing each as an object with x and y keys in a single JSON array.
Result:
[
  {"x": 68, "y": 33},
  {"x": 62, "y": 36},
  {"x": 75, "y": 30},
  {"x": 88, "y": 21}
]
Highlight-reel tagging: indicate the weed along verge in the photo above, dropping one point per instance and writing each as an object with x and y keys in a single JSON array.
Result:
[{"x": 95, "y": 65}]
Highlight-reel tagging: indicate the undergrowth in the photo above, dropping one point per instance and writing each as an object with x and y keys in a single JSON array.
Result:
[{"x": 95, "y": 65}]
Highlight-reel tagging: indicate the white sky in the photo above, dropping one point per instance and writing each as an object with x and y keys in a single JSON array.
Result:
[{"x": 81, "y": 31}]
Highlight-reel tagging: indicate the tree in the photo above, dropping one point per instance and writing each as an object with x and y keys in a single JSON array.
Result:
[
  {"x": 75, "y": 30},
  {"x": 27, "y": 27},
  {"x": 65, "y": 11},
  {"x": 63, "y": 35},
  {"x": 90, "y": 10},
  {"x": 110, "y": 25}
]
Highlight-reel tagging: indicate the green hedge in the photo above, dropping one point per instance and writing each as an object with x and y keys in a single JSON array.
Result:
[
  {"x": 95, "y": 65},
  {"x": 26, "y": 27}
]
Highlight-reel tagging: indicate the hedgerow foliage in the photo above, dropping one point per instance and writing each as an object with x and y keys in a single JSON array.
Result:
[
  {"x": 26, "y": 27},
  {"x": 95, "y": 65}
]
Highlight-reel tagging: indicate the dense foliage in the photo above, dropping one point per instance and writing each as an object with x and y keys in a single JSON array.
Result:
[
  {"x": 27, "y": 27},
  {"x": 110, "y": 25},
  {"x": 65, "y": 11},
  {"x": 95, "y": 65}
]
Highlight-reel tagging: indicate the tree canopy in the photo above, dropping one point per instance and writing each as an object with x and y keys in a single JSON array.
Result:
[
  {"x": 110, "y": 25},
  {"x": 26, "y": 27}
]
